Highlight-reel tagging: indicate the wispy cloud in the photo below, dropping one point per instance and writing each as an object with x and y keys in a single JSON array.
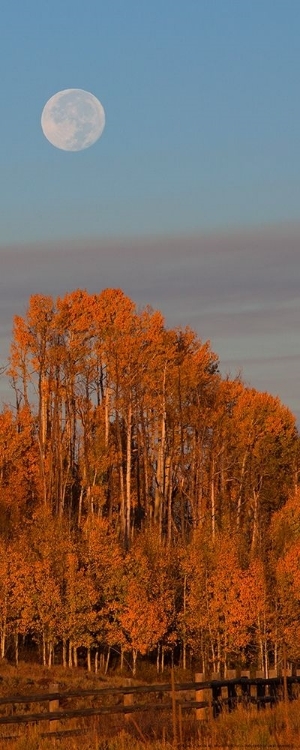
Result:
[{"x": 239, "y": 289}]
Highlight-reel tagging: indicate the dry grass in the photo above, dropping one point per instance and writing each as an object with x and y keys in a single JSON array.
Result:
[
  {"x": 32, "y": 677},
  {"x": 150, "y": 730},
  {"x": 241, "y": 729}
]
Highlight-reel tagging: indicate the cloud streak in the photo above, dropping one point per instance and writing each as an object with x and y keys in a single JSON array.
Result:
[{"x": 240, "y": 289}]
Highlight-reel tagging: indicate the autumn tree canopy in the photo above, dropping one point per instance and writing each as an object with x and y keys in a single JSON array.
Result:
[{"x": 124, "y": 437}]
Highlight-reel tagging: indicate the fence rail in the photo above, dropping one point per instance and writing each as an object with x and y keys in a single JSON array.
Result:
[{"x": 207, "y": 697}]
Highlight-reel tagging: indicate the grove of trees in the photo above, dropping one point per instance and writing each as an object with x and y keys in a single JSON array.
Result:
[{"x": 147, "y": 504}]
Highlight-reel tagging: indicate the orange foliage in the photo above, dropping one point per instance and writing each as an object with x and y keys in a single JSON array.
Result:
[{"x": 152, "y": 502}]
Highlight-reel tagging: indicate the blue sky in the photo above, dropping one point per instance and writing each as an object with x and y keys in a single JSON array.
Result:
[{"x": 201, "y": 140}]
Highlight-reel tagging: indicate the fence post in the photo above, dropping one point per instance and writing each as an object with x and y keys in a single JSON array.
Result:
[
  {"x": 53, "y": 707},
  {"x": 260, "y": 689},
  {"x": 285, "y": 692},
  {"x": 232, "y": 697},
  {"x": 286, "y": 672},
  {"x": 174, "y": 716},
  {"x": 272, "y": 688},
  {"x": 224, "y": 698},
  {"x": 201, "y": 695},
  {"x": 296, "y": 690},
  {"x": 245, "y": 687},
  {"x": 127, "y": 698},
  {"x": 216, "y": 695}
]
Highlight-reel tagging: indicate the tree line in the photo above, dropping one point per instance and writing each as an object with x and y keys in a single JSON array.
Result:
[{"x": 147, "y": 503}]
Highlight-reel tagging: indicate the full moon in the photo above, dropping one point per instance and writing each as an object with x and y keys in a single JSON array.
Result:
[{"x": 73, "y": 119}]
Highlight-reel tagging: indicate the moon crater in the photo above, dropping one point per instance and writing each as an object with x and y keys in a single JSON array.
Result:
[{"x": 73, "y": 119}]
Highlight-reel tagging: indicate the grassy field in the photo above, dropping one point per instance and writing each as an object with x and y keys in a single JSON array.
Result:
[{"x": 242, "y": 728}]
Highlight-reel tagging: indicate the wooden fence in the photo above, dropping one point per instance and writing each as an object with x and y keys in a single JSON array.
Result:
[{"x": 207, "y": 698}]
